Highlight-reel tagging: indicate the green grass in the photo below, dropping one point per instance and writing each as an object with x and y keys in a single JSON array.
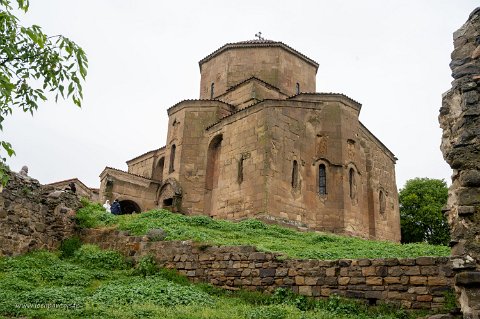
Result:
[
  {"x": 101, "y": 284},
  {"x": 292, "y": 243}
]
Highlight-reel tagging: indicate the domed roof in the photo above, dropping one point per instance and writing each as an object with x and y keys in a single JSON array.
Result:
[{"x": 257, "y": 43}]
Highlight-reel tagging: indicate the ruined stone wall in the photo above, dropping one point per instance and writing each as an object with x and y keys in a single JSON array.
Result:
[
  {"x": 419, "y": 283},
  {"x": 460, "y": 121},
  {"x": 34, "y": 217}
]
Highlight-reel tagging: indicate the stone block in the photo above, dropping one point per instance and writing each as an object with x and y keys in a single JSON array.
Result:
[
  {"x": 299, "y": 280},
  {"x": 374, "y": 281},
  {"x": 425, "y": 261},
  {"x": 343, "y": 281},
  {"x": 305, "y": 290},
  {"x": 311, "y": 281},
  {"x": 369, "y": 271},
  {"x": 418, "y": 280},
  {"x": 468, "y": 279},
  {"x": 267, "y": 272},
  {"x": 412, "y": 271},
  {"x": 418, "y": 290},
  {"x": 424, "y": 298},
  {"x": 429, "y": 270},
  {"x": 391, "y": 280},
  {"x": 437, "y": 281}
]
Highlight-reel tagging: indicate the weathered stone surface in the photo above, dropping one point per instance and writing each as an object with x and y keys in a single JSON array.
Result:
[
  {"x": 468, "y": 278},
  {"x": 32, "y": 218},
  {"x": 460, "y": 120}
]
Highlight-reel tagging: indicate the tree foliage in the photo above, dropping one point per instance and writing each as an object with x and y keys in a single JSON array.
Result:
[
  {"x": 422, "y": 220},
  {"x": 32, "y": 66}
]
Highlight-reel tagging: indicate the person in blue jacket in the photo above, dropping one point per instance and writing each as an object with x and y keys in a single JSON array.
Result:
[{"x": 116, "y": 209}]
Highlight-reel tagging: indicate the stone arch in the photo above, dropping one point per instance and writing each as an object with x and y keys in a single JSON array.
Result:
[
  {"x": 158, "y": 169},
  {"x": 129, "y": 207},
  {"x": 170, "y": 195},
  {"x": 213, "y": 155}
]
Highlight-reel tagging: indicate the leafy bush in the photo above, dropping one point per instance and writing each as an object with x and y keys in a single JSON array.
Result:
[
  {"x": 93, "y": 215},
  {"x": 69, "y": 246},
  {"x": 146, "y": 266},
  {"x": 92, "y": 257}
]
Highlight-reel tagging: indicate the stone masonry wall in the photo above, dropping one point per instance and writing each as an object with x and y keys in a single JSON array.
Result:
[
  {"x": 34, "y": 217},
  {"x": 419, "y": 283},
  {"x": 460, "y": 121}
]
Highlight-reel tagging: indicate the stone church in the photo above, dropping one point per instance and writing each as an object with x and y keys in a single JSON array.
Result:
[{"x": 260, "y": 142}]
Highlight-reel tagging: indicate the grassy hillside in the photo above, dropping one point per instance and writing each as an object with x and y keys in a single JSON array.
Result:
[
  {"x": 85, "y": 282},
  {"x": 292, "y": 243}
]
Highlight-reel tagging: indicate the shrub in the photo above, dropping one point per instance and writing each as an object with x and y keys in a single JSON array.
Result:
[
  {"x": 94, "y": 215},
  {"x": 69, "y": 246},
  {"x": 92, "y": 257},
  {"x": 146, "y": 266}
]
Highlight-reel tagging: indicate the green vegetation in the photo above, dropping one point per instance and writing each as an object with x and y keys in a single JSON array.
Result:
[
  {"x": 421, "y": 203},
  {"x": 101, "y": 284},
  {"x": 292, "y": 243}
]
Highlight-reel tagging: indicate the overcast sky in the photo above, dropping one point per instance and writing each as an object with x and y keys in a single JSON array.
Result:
[{"x": 391, "y": 56}]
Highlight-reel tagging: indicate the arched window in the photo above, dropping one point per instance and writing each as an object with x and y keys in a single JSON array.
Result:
[
  {"x": 212, "y": 90},
  {"x": 171, "y": 168},
  {"x": 382, "y": 201},
  {"x": 295, "y": 174},
  {"x": 213, "y": 155},
  {"x": 352, "y": 183},
  {"x": 297, "y": 88},
  {"x": 322, "y": 179}
]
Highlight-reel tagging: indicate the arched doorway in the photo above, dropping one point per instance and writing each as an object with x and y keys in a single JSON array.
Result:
[
  {"x": 170, "y": 195},
  {"x": 129, "y": 207}
]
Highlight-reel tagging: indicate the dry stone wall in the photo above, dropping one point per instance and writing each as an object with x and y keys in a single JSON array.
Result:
[
  {"x": 419, "y": 283},
  {"x": 460, "y": 121},
  {"x": 34, "y": 217}
]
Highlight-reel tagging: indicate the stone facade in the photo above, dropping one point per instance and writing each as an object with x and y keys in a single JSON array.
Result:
[
  {"x": 419, "y": 283},
  {"x": 260, "y": 143},
  {"x": 460, "y": 121},
  {"x": 34, "y": 217}
]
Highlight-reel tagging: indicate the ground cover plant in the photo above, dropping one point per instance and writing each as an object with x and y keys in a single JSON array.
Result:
[
  {"x": 292, "y": 243},
  {"x": 91, "y": 283}
]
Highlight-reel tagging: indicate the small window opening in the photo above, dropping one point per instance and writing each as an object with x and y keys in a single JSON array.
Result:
[
  {"x": 295, "y": 174},
  {"x": 382, "y": 201},
  {"x": 322, "y": 180},
  {"x": 352, "y": 183},
  {"x": 297, "y": 88},
  {"x": 212, "y": 90},
  {"x": 240, "y": 170},
  {"x": 171, "y": 168}
]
